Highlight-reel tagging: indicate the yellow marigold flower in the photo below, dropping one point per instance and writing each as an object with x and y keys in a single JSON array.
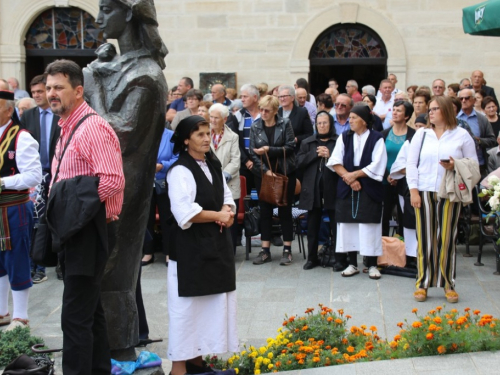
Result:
[
  {"x": 270, "y": 355},
  {"x": 441, "y": 349},
  {"x": 243, "y": 352},
  {"x": 429, "y": 336},
  {"x": 270, "y": 366},
  {"x": 437, "y": 320},
  {"x": 416, "y": 324},
  {"x": 373, "y": 329},
  {"x": 236, "y": 370},
  {"x": 414, "y": 311},
  {"x": 406, "y": 346},
  {"x": 350, "y": 349},
  {"x": 262, "y": 350},
  {"x": 393, "y": 344},
  {"x": 316, "y": 359},
  {"x": 266, "y": 361},
  {"x": 256, "y": 372},
  {"x": 280, "y": 329}
]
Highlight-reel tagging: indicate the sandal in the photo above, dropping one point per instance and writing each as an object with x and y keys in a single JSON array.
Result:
[
  {"x": 451, "y": 296},
  {"x": 420, "y": 295}
]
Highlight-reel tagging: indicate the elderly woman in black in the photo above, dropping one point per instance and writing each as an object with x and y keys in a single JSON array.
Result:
[
  {"x": 273, "y": 135},
  {"x": 201, "y": 275},
  {"x": 319, "y": 185}
]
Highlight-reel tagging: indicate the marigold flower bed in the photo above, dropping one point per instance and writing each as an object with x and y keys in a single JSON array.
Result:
[{"x": 322, "y": 338}]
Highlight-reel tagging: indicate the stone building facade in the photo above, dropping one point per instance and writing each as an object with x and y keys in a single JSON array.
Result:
[{"x": 272, "y": 40}]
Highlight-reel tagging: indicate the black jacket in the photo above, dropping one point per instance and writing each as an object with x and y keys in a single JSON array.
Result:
[
  {"x": 301, "y": 124},
  {"x": 489, "y": 91},
  {"x": 308, "y": 160},
  {"x": 74, "y": 214},
  {"x": 284, "y": 140},
  {"x": 30, "y": 121}
]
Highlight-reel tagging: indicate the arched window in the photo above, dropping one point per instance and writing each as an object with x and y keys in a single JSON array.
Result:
[
  {"x": 348, "y": 42},
  {"x": 64, "y": 29}
]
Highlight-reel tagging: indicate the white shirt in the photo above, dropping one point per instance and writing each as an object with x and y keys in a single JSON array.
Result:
[
  {"x": 28, "y": 163},
  {"x": 381, "y": 108},
  {"x": 456, "y": 143},
  {"x": 182, "y": 192},
  {"x": 375, "y": 169}
]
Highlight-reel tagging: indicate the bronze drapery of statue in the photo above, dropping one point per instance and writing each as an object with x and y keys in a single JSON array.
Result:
[{"x": 129, "y": 91}]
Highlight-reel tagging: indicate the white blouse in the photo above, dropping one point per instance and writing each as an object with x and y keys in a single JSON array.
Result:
[
  {"x": 400, "y": 162},
  {"x": 375, "y": 169},
  {"x": 456, "y": 143},
  {"x": 182, "y": 192}
]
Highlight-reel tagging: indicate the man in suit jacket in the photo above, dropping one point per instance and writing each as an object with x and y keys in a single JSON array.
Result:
[
  {"x": 32, "y": 120},
  {"x": 299, "y": 117},
  {"x": 477, "y": 80}
]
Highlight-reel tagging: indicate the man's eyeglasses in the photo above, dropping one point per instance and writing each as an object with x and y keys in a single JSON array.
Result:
[
  {"x": 283, "y": 96},
  {"x": 462, "y": 98},
  {"x": 340, "y": 105}
]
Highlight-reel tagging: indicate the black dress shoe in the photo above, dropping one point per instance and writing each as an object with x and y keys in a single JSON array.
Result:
[
  {"x": 338, "y": 267},
  {"x": 150, "y": 261},
  {"x": 310, "y": 264}
]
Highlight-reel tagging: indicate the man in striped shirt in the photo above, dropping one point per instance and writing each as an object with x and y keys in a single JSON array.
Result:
[{"x": 94, "y": 150}]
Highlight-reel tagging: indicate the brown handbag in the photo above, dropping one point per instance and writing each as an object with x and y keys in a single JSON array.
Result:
[{"x": 273, "y": 189}]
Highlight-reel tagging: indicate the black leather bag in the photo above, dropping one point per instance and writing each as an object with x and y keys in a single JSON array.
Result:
[
  {"x": 251, "y": 222},
  {"x": 25, "y": 365},
  {"x": 41, "y": 247}
]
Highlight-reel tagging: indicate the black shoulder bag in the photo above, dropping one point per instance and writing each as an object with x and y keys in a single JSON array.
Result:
[
  {"x": 409, "y": 220},
  {"x": 41, "y": 246}
]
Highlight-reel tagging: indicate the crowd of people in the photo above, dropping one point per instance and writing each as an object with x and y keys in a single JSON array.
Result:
[{"x": 357, "y": 158}]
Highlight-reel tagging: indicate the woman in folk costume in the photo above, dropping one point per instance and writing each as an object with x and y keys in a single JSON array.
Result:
[
  {"x": 201, "y": 272},
  {"x": 359, "y": 158}
]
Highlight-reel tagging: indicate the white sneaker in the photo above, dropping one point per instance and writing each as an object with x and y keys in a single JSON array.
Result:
[
  {"x": 374, "y": 273},
  {"x": 350, "y": 271}
]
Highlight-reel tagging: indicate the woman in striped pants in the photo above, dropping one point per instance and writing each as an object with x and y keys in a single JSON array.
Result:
[{"x": 432, "y": 151}]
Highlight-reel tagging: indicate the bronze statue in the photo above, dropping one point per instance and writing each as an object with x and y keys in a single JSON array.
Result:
[{"x": 129, "y": 91}]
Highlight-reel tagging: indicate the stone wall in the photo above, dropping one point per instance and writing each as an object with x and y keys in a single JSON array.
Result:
[{"x": 269, "y": 40}]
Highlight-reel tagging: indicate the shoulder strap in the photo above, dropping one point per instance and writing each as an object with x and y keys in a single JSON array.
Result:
[
  {"x": 69, "y": 140},
  {"x": 421, "y": 144}
]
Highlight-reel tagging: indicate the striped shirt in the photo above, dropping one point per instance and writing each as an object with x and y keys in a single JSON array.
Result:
[{"x": 94, "y": 151}]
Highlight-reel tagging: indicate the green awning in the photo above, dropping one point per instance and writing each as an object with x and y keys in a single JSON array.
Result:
[{"x": 482, "y": 18}]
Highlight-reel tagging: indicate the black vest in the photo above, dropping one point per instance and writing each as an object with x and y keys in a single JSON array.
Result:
[
  {"x": 8, "y": 165},
  {"x": 204, "y": 254},
  {"x": 373, "y": 188}
]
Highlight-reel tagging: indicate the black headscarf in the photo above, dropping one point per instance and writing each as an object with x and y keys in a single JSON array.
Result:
[
  {"x": 183, "y": 131},
  {"x": 9, "y": 95},
  {"x": 331, "y": 132},
  {"x": 365, "y": 113}
]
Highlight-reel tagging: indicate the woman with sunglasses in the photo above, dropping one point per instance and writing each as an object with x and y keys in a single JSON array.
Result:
[
  {"x": 432, "y": 152},
  {"x": 273, "y": 135}
]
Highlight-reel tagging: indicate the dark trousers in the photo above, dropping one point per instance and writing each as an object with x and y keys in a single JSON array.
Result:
[
  {"x": 141, "y": 311},
  {"x": 314, "y": 218},
  {"x": 390, "y": 200},
  {"x": 85, "y": 336},
  {"x": 162, "y": 202},
  {"x": 250, "y": 178},
  {"x": 284, "y": 212}
]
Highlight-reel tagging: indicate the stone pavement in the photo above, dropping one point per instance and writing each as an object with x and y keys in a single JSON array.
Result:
[{"x": 267, "y": 292}]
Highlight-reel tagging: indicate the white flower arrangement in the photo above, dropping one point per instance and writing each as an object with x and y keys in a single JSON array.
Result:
[{"x": 493, "y": 192}]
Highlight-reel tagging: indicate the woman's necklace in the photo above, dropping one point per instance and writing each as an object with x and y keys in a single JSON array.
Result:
[{"x": 354, "y": 215}]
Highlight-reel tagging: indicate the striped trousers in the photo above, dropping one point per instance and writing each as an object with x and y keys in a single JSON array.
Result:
[{"x": 437, "y": 221}]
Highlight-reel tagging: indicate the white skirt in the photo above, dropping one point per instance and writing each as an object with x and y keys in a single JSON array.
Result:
[
  {"x": 365, "y": 238},
  {"x": 199, "y": 325},
  {"x": 410, "y": 235}
]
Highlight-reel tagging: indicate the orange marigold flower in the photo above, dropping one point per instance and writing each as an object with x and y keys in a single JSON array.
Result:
[
  {"x": 329, "y": 319},
  {"x": 427, "y": 318},
  {"x": 309, "y": 310},
  {"x": 454, "y": 311},
  {"x": 348, "y": 317},
  {"x": 432, "y": 312},
  {"x": 447, "y": 316},
  {"x": 416, "y": 324},
  {"x": 492, "y": 325},
  {"x": 305, "y": 328},
  {"x": 350, "y": 349},
  {"x": 328, "y": 347},
  {"x": 363, "y": 327},
  {"x": 335, "y": 350},
  {"x": 441, "y": 349},
  {"x": 369, "y": 345},
  {"x": 310, "y": 339},
  {"x": 323, "y": 313},
  {"x": 414, "y": 311},
  {"x": 454, "y": 346},
  {"x": 439, "y": 308},
  {"x": 461, "y": 320},
  {"x": 477, "y": 312},
  {"x": 354, "y": 329},
  {"x": 432, "y": 327},
  {"x": 284, "y": 351},
  {"x": 299, "y": 342},
  {"x": 290, "y": 344},
  {"x": 289, "y": 362},
  {"x": 320, "y": 342},
  {"x": 301, "y": 361},
  {"x": 451, "y": 322},
  {"x": 338, "y": 321},
  {"x": 429, "y": 336},
  {"x": 285, "y": 322},
  {"x": 278, "y": 364},
  {"x": 341, "y": 311},
  {"x": 291, "y": 319},
  {"x": 316, "y": 359},
  {"x": 296, "y": 330},
  {"x": 467, "y": 309},
  {"x": 344, "y": 341},
  {"x": 437, "y": 320},
  {"x": 373, "y": 329},
  {"x": 400, "y": 324},
  {"x": 397, "y": 338},
  {"x": 393, "y": 344}
]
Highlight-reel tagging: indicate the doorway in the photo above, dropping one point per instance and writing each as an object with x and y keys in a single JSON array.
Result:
[{"x": 344, "y": 52}]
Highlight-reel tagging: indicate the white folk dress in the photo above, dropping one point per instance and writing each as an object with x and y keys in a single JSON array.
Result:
[
  {"x": 365, "y": 238},
  {"x": 197, "y": 325}
]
